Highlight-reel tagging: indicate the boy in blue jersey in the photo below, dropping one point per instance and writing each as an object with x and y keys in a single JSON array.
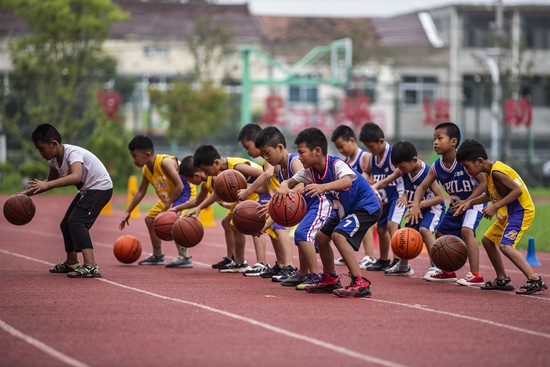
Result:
[
  {"x": 344, "y": 140},
  {"x": 279, "y": 235},
  {"x": 413, "y": 171},
  {"x": 514, "y": 209},
  {"x": 461, "y": 187},
  {"x": 272, "y": 144},
  {"x": 378, "y": 169},
  {"x": 356, "y": 206}
]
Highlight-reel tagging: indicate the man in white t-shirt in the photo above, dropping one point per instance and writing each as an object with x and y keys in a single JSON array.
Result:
[{"x": 73, "y": 165}]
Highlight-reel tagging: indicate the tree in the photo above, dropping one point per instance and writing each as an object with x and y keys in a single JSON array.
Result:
[{"x": 58, "y": 66}]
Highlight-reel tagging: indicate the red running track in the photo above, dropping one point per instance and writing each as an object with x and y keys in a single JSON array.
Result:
[{"x": 142, "y": 316}]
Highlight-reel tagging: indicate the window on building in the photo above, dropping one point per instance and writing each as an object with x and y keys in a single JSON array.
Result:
[
  {"x": 479, "y": 29},
  {"x": 476, "y": 90},
  {"x": 536, "y": 31},
  {"x": 300, "y": 93},
  {"x": 416, "y": 89},
  {"x": 155, "y": 50},
  {"x": 366, "y": 85}
]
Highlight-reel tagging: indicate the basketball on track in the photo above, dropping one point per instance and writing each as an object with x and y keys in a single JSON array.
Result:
[
  {"x": 228, "y": 183},
  {"x": 246, "y": 218},
  {"x": 449, "y": 253},
  {"x": 163, "y": 225},
  {"x": 187, "y": 231},
  {"x": 407, "y": 243},
  {"x": 290, "y": 211},
  {"x": 127, "y": 249},
  {"x": 19, "y": 209}
]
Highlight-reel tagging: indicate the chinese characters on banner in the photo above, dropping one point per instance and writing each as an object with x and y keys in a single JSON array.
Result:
[
  {"x": 518, "y": 112},
  {"x": 436, "y": 111}
]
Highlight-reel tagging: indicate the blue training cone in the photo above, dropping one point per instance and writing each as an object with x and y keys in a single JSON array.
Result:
[{"x": 531, "y": 255}]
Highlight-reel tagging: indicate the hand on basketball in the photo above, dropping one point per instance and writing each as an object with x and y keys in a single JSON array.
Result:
[
  {"x": 37, "y": 186},
  {"x": 242, "y": 195},
  {"x": 280, "y": 194},
  {"x": 263, "y": 209},
  {"x": 489, "y": 211},
  {"x": 193, "y": 213},
  {"x": 124, "y": 221},
  {"x": 314, "y": 189}
]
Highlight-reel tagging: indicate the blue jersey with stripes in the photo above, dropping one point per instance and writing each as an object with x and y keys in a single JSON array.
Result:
[
  {"x": 359, "y": 196},
  {"x": 381, "y": 170},
  {"x": 456, "y": 181},
  {"x": 356, "y": 164},
  {"x": 310, "y": 200},
  {"x": 411, "y": 184}
]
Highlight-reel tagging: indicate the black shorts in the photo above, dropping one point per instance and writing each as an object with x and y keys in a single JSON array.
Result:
[{"x": 353, "y": 226}]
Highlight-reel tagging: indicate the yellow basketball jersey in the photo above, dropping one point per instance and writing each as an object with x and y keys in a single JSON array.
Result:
[
  {"x": 162, "y": 184},
  {"x": 233, "y": 161},
  {"x": 523, "y": 203}
]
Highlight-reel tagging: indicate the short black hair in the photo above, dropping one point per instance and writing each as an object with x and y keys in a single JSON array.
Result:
[
  {"x": 271, "y": 137},
  {"x": 46, "y": 133},
  {"x": 205, "y": 155},
  {"x": 249, "y": 132},
  {"x": 141, "y": 142},
  {"x": 451, "y": 129},
  {"x": 403, "y": 151},
  {"x": 371, "y": 133},
  {"x": 343, "y": 131},
  {"x": 313, "y": 138},
  {"x": 470, "y": 150},
  {"x": 187, "y": 168}
]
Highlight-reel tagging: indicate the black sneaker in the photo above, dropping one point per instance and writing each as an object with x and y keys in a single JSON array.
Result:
[
  {"x": 270, "y": 272},
  {"x": 152, "y": 260},
  {"x": 379, "y": 265},
  {"x": 285, "y": 273},
  {"x": 294, "y": 280},
  {"x": 225, "y": 260}
]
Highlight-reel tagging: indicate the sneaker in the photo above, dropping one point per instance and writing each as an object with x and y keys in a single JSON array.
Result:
[
  {"x": 366, "y": 261},
  {"x": 339, "y": 261},
  {"x": 294, "y": 280},
  {"x": 285, "y": 273},
  {"x": 394, "y": 262},
  {"x": 256, "y": 270},
  {"x": 225, "y": 260},
  {"x": 359, "y": 287},
  {"x": 471, "y": 280},
  {"x": 270, "y": 272},
  {"x": 379, "y": 265},
  {"x": 233, "y": 267},
  {"x": 431, "y": 271},
  {"x": 441, "y": 276},
  {"x": 325, "y": 284},
  {"x": 180, "y": 262},
  {"x": 311, "y": 279},
  {"x": 400, "y": 270},
  {"x": 152, "y": 260}
]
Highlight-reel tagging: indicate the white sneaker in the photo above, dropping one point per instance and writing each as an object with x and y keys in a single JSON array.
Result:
[
  {"x": 256, "y": 270},
  {"x": 400, "y": 270},
  {"x": 431, "y": 271},
  {"x": 366, "y": 261},
  {"x": 339, "y": 261}
]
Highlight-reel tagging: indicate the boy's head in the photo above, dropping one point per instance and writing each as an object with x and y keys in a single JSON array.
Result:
[
  {"x": 246, "y": 137},
  {"x": 372, "y": 137},
  {"x": 404, "y": 156},
  {"x": 343, "y": 138},
  {"x": 471, "y": 154},
  {"x": 47, "y": 140},
  {"x": 207, "y": 158},
  {"x": 446, "y": 137},
  {"x": 142, "y": 149},
  {"x": 271, "y": 143},
  {"x": 188, "y": 171},
  {"x": 312, "y": 146}
]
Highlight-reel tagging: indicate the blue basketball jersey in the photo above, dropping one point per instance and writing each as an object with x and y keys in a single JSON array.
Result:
[
  {"x": 411, "y": 184},
  {"x": 359, "y": 196},
  {"x": 310, "y": 200},
  {"x": 356, "y": 164},
  {"x": 381, "y": 170},
  {"x": 456, "y": 181}
]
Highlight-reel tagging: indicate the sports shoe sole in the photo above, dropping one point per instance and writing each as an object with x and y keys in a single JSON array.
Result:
[{"x": 355, "y": 294}]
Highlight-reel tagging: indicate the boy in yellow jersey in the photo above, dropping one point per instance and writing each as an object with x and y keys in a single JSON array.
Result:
[
  {"x": 514, "y": 210},
  {"x": 207, "y": 159},
  {"x": 197, "y": 177},
  {"x": 161, "y": 171},
  {"x": 279, "y": 235}
]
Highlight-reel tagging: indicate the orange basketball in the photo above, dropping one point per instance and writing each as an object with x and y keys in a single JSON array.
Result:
[
  {"x": 407, "y": 243},
  {"x": 163, "y": 225},
  {"x": 449, "y": 253},
  {"x": 127, "y": 249},
  {"x": 246, "y": 219},
  {"x": 187, "y": 231},
  {"x": 228, "y": 183},
  {"x": 19, "y": 209},
  {"x": 290, "y": 211}
]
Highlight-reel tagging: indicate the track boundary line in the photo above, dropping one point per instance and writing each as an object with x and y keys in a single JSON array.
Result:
[{"x": 41, "y": 346}]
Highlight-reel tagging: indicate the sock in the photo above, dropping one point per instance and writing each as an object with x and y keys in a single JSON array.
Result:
[
  {"x": 157, "y": 251},
  {"x": 182, "y": 251},
  {"x": 476, "y": 273}
]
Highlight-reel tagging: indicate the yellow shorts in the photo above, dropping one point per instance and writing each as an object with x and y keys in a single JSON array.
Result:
[
  {"x": 508, "y": 231},
  {"x": 157, "y": 209}
]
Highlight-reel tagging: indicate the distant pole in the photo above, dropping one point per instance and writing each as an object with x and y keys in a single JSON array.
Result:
[
  {"x": 246, "y": 116},
  {"x": 495, "y": 108}
]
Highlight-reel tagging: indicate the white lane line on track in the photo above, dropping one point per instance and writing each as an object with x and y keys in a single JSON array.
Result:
[
  {"x": 275, "y": 329},
  {"x": 41, "y": 346}
]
